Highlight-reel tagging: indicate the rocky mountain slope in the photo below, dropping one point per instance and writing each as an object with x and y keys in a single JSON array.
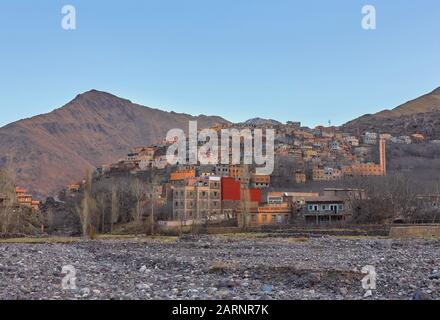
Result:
[
  {"x": 421, "y": 115},
  {"x": 261, "y": 121},
  {"x": 57, "y": 148}
]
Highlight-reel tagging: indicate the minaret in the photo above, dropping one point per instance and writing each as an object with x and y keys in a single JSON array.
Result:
[{"x": 382, "y": 156}]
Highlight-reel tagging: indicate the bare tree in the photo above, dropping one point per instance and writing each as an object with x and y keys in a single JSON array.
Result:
[
  {"x": 383, "y": 199},
  {"x": 115, "y": 206},
  {"x": 87, "y": 210},
  {"x": 245, "y": 199},
  {"x": 101, "y": 199},
  {"x": 137, "y": 189},
  {"x": 8, "y": 195}
]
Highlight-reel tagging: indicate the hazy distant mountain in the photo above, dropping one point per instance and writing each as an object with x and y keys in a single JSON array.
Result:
[
  {"x": 54, "y": 149},
  {"x": 260, "y": 122},
  {"x": 421, "y": 115}
]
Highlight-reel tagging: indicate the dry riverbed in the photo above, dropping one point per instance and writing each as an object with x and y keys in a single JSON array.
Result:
[{"x": 221, "y": 267}]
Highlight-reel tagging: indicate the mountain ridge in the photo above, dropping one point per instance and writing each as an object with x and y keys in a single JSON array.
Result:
[
  {"x": 420, "y": 115},
  {"x": 57, "y": 148}
]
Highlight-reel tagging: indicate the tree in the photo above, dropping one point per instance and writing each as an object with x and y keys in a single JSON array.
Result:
[
  {"x": 115, "y": 206},
  {"x": 8, "y": 196},
  {"x": 245, "y": 199},
  {"x": 87, "y": 209},
  {"x": 101, "y": 199},
  {"x": 137, "y": 189},
  {"x": 383, "y": 199}
]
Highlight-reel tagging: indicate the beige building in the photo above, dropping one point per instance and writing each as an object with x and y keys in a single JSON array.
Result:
[{"x": 198, "y": 200}]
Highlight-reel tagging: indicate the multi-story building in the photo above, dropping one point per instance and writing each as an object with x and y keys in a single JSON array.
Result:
[
  {"x": 240, "y": 172},
  {"x": 198, "y": 200},
  {"x": 222, "y": 170},
  {"x": 300, "y": 177},
  {"x": 324, "y": 210},
  {"x": 352, "y": 141},
  {"x": 367, "y": 169},
  {"x": 326, "y": 174},
  {"x": 297, "y": 198},
  {"x": 271, "y": 214},
  {"x": 182, "y": 174},
  {"x": 260, "y": 181},
  {"x": 25, "y": 199},
  {"x": 370, "y": 138}
]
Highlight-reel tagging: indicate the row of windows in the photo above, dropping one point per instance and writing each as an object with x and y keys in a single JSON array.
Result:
[
  {"x": 193, "y": 193},
  {"x": 193, "y": 204},
  {"x": 324, "y": 207},
  {"x": 273, "y": 217}
]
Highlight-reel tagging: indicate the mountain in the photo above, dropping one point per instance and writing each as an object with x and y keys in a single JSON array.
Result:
[
  {"x": 421, "y": 115},
  {"x": 261, "y": 122},
  {"x": 54, "y": 149}
]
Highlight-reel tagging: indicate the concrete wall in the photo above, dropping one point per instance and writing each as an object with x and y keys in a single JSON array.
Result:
[{"x": 416, "y": 231}]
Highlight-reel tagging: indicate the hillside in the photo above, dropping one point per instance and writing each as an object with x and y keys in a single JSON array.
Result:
[
  {"x": 261, "y": 122},
  {"x": 57, "y": 148},
  {"x": 421, "y": 115}
]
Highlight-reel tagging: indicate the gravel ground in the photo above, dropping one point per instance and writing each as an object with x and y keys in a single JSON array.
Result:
[{"x": 218, "y": 267}]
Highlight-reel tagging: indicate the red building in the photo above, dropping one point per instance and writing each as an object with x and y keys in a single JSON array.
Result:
[
  {"x": 255, "y": 195},
  {"x": 230, "y": 189}
]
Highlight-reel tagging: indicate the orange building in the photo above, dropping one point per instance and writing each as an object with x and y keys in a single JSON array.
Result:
[
  {"x": 367, "y": 169},
  {"x": 260, "y": 181},
  {"x": 239, "y": 172},
  {"x": 183, "y": 174},
  {"x": 300, "y": 177},
  {"x": 271, "y": 214},
  {"x": 73, "y": 187},
  {"x": 25, "y": 199}
]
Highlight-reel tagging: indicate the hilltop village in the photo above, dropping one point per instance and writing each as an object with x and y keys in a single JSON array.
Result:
[
  {"x": 188, "y": 195},
  {"x": 319, "y": 179}
]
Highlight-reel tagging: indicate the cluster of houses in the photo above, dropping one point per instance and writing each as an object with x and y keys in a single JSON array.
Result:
[
  {"x": 22, "y": 199},
  {"x": 201, "y": 193},
  {"x": 210, "y": 198},
  {"x": 320, "y": 154}
]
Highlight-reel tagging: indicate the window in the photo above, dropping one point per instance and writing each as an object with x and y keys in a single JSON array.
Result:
[{"x": 264, "y": 217}]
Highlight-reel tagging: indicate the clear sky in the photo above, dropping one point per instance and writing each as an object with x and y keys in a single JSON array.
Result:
[{"x": 306, "y": 61}]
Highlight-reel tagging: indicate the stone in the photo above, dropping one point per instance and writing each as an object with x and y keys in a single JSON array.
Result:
[
  {"x": 314, "y": 277},
  {"x": 420, "y": 295},
  {"x": 343, "y": 291},
  {"x": 267, "y": 288}
]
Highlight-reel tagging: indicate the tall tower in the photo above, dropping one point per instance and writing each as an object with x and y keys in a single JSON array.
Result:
[{"x": 382, "y": 156}]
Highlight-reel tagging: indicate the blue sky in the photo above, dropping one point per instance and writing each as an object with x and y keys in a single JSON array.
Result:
[{"x": 306, "y": 61}]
